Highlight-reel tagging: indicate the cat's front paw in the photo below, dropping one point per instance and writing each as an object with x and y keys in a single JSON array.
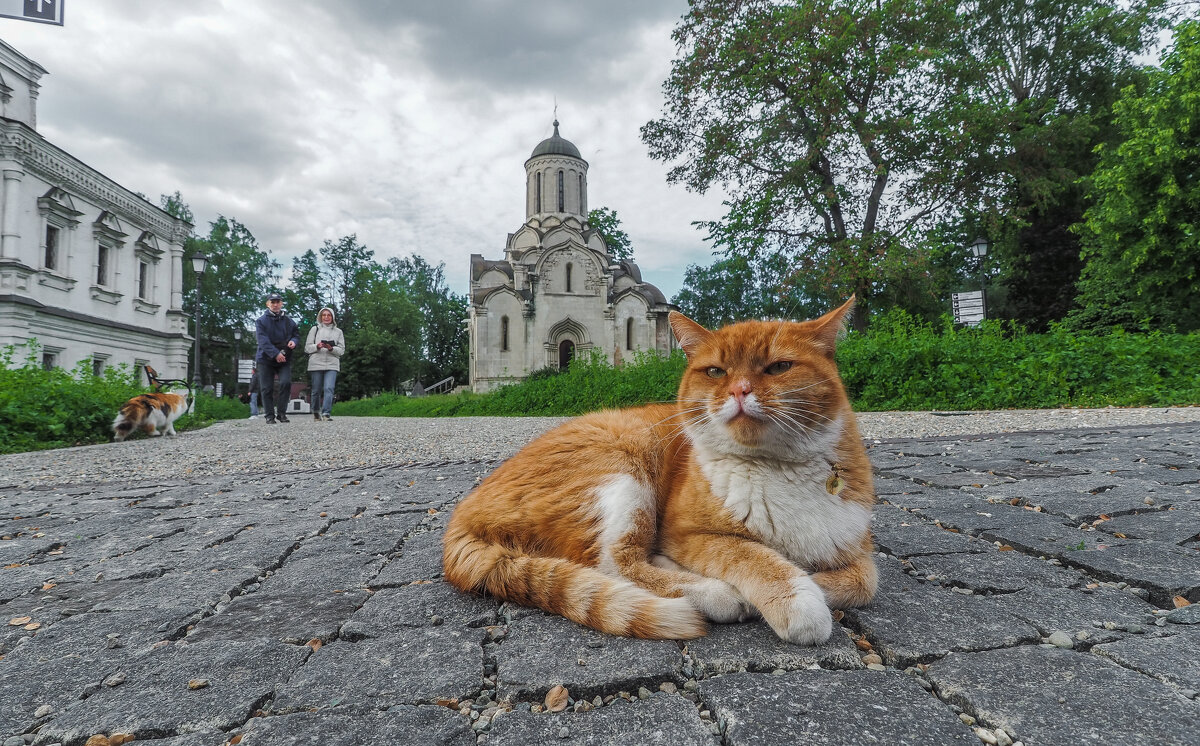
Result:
[
  {"x": 802, "y": 618},
  {"x": 719, "y": 601}
]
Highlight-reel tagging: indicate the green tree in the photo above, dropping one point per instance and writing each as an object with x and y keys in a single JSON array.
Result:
[
  {"x": 1048, "y": 72},
  {"x": 443, "y": 337},
  {"x": 838, "y": 128},
  {"x": 304, "y": 296},
  {"x": 1141, "y": 235},
  {"x": 349, "y": 266},
  {"x": 735, "y": 288},
  {"x": 606, "y": 221},
  {"x": 384, "y": 342},
  {"x": 237, "y": 280}
]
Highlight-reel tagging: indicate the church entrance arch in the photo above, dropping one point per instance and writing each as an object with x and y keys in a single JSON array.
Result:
[{"x": 566, "y": 353}]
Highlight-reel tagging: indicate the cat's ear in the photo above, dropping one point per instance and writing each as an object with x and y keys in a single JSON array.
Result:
[
  {"x": 688, "y": 332},
  {"x": 831, "y": 327}
]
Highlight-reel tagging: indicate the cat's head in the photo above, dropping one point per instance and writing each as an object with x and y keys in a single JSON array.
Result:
[{"x": 763, "y": 388}]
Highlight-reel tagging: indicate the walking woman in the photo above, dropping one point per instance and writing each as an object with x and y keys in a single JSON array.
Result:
[{"x": 324, "y": 346}]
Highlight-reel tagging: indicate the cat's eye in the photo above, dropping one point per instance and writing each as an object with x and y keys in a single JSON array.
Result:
[
  {"x": 715, "y": 372},
  {"x": 775, "y": 369}
]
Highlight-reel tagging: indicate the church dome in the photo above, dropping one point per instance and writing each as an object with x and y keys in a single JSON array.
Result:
[{"x": 556, "y": 145}]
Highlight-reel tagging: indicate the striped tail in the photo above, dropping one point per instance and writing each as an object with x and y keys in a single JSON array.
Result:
[{"x": 579, "y": 593}]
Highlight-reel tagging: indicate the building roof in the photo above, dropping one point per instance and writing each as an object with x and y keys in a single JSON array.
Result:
[{"x": 556, "y": 145}]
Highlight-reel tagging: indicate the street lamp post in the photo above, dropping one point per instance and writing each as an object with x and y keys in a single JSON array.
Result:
[
  {"x": 237, "y": 359},
  {"x": 979, "y": 247},
  {"x": 199, "y": 264}
]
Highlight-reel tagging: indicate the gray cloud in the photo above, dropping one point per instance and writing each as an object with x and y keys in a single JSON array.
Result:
[{"x": 407, "y": 123}]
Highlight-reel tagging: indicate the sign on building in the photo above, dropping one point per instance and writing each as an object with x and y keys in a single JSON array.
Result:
[
  {"x": 38, "y": 11},
  {"x": 244, "y": 369},
  {"x": 969, "y": 308}
]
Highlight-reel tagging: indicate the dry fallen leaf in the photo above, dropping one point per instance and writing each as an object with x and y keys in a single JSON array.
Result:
[
  {"x": 1120, "y": 535},
  {"x": 116, "y": 739},
  {"x": 863, "y": 644},
  {"x": 31, "y": 627},
  {"x": 17, "y": 621},
  {"x": 13, "y": 566},
  {"x": 197, "y": 684},
  {"x": 556, "y": 699},
  {"x": 324, "y": 514},
  {"x": 98, "y": 740},
  {"x": 235, "y": 740},
  {"x": 48, "y": 586},
  {"x": 314, "y": 643},
  {"x": 1180, "y": 602},
  {"x": 1006, "y": 548},
  {"x": 838, "y": 614}
]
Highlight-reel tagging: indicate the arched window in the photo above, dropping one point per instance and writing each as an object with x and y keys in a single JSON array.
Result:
[
  {"x": 582, "y": 206},
  {"x": 537, "y": 181},
  {"x": 561, "y": 201},
  {"x": 569, "y": 277},
  {"x": 504, "y": 334},
  {"x": 629, "y": 334}
]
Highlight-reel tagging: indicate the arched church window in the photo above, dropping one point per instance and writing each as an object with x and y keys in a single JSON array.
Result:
[
  {"x": 561, "y": 201},
  {"x": 629, "y": 334},
  {"x": 582, "y": 201},
  {"x": 537, "y": 181},
  {"x": 569, "y": 268},
  {"x": 504, "y": 334}
]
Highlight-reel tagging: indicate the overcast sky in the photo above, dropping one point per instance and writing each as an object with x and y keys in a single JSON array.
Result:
[{"x": 406, "y": 122}]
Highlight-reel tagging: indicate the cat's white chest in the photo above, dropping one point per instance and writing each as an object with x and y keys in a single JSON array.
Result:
[{"x": 787, "y": 506}]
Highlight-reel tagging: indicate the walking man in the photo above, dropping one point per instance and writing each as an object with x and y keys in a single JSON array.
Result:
[{"x": 277, "y": 336}]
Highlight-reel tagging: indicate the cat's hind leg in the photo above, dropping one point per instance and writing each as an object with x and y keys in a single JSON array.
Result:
[{"x": 151, "y": 430}]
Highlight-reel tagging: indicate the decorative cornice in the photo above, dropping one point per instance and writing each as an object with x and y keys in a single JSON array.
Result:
[
  {"x": 65, "y": 313},
  {"x": 21, "y": 144}
]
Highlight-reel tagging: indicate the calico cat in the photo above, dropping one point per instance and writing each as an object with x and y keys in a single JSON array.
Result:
[
  {"x": 149, "y": 412},
  {"x": 752, "y": 494}
]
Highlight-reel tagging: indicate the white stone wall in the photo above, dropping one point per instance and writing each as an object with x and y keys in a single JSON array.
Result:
[{"x": 62, "y": 298}]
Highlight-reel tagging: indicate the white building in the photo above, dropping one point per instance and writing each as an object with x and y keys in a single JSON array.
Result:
[
  {"x": 558, "y": 294},
  {"x": 89, "y": 269}
]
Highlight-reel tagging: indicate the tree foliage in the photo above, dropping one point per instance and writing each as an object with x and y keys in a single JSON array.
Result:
[
  {"x": 606, "y": 221},
  {"x": 1141, "y": 235},
  {"x": 836, "y": 126},
  {"x": 1048, "y": 72},
  {"x": 735, "y": 288},
  {"x": 233, "y": 287}
]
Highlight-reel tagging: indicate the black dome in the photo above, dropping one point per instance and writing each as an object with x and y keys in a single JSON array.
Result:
[{"x": 556, "y": 145}]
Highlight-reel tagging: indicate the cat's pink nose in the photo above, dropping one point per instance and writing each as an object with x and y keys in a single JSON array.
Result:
[{"x": 740, "y": 389}]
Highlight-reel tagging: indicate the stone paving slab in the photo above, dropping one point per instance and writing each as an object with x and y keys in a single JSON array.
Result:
[{"x": 1027, "y": 592}]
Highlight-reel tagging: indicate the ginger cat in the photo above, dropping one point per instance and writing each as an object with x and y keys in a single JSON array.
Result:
[{"x": 752, "y": 494}]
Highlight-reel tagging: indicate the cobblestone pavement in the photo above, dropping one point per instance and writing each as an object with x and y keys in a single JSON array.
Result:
[{"x": 1028, "y": 593}]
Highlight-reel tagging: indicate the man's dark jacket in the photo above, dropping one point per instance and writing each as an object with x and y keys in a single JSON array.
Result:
[{"x": 273, "y": 334}]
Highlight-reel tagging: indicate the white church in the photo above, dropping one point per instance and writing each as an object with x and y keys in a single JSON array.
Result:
[
  {"x": 558, "y": 294},
  {"x": 89, "y": 269}
]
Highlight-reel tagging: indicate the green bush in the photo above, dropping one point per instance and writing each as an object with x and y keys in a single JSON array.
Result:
[
  {"x": 56, "y": 408},
  {"x": 904, "y": 363}
]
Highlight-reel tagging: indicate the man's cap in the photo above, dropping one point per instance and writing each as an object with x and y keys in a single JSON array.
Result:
[{"x": 274, "y": 296}]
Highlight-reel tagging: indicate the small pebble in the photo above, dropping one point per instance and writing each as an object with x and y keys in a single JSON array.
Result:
[
  {"x": 668, "y": 687},
  {"x": 116, "y": 679},
  {"x": 564, "y": 732},
  {"x": 1002, "y": 737},
  {"x": 691, "y": 685},
  {"x": 871, "y": 658},
  {"x": 195, "y": 684},
  {"x": 985, "y": 735},
  {"x": 14, "y": 741},
  {"x": 967, "y": 719},
  {"x": 43, "y": 711},
  {"x": 1061, "y": 640},
  {"x": 876, "y": 667},
  {"x": 643, "y": 693}
]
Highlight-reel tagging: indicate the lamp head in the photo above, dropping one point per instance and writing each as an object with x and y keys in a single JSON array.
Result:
[{"x": 199, "y": 262}]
